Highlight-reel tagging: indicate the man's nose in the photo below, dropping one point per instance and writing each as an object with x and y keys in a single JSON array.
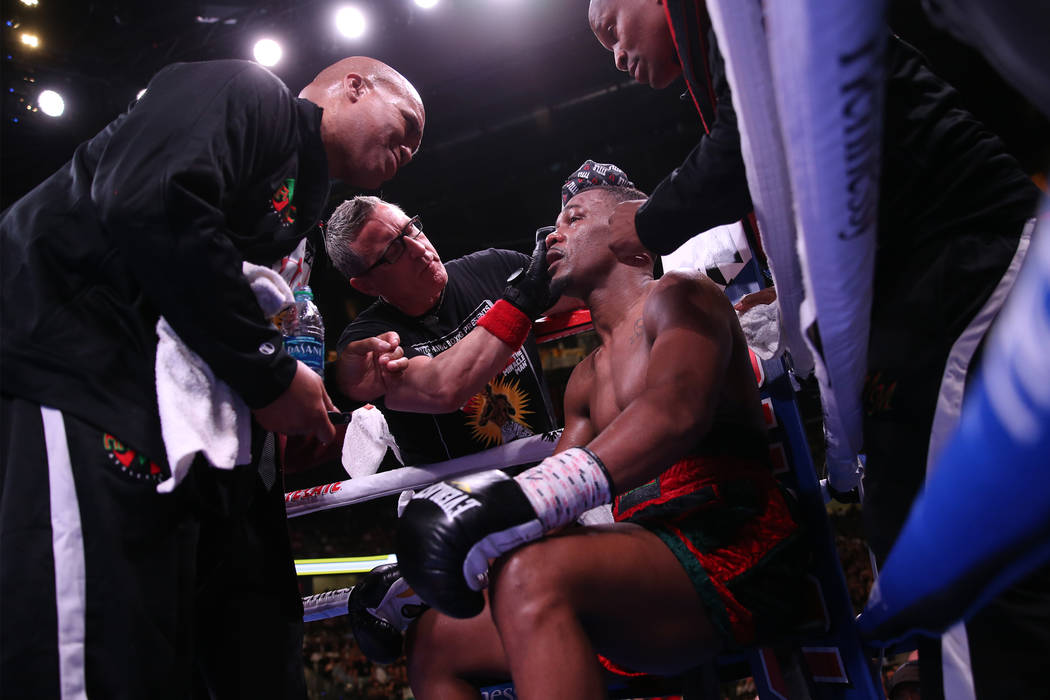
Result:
[
  {"x": 416, "y": 247},
  {"x": 553, "y": 238}
]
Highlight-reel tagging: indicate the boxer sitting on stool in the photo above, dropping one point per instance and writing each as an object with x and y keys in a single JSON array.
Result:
[{"x": 664, "y": 422}]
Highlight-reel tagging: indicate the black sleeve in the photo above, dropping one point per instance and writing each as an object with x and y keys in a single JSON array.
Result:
[
  {"x": 200, "y": 135},
  {"x": 511, "y": 260},
  {"x": 709, "y": 189},
  {"x": 487, "y": 270}
]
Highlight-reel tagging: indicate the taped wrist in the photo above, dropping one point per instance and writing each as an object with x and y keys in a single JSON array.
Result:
[
  {"x": 507, "y": 322},
  {"x": 565, "y": 485}
]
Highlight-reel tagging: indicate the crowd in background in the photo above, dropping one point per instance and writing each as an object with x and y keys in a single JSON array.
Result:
[{"x": 336, "y": 668}]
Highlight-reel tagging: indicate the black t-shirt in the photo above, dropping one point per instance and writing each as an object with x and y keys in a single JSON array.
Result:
[{"x": 513, "y": 405}]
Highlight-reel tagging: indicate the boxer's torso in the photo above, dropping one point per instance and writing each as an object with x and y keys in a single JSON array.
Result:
[{"x": 619, "y": 368}]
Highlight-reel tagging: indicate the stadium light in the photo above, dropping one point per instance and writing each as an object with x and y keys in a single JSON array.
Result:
[
  {"x": 30, "y": 3},
  {"x": 350, "y": 22},
  {"x": 51, "y": 103},
  {"x": 426, "y": 4},
  {"x": 267, "y": 52},
  {"x": 30, "y": 40}
]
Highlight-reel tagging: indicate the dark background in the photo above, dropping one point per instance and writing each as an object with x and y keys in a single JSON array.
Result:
[{"x": 517, "y": 93}]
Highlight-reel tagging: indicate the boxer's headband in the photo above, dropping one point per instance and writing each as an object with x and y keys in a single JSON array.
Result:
[{"x": 592, "y": 174}]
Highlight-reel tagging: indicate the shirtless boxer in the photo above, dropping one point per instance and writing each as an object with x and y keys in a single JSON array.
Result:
[{"x": 664, "y": 421}]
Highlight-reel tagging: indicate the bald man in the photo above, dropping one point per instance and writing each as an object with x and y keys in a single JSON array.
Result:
[
  {"x": 108, "y": 586},
  {"x": 372, "y": 120}
]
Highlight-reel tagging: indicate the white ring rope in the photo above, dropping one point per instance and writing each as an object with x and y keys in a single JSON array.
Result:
[
  {"x": 327, "y": 604},
  {"x": 822, "y": 61},
  {"x": 344, "y": 493},
  {"x": 738, "y": 25}
]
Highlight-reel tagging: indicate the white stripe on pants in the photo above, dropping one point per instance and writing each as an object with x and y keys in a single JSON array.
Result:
[{"x": 67, "y": 540}]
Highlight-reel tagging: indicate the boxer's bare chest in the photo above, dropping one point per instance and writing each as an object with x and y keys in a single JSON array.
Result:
[{"x": 620, "y": 367}]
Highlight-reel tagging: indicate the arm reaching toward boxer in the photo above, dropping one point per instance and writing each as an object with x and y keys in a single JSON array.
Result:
[
  {"x": 623, "y": 236},
  {"x": 445, "y": 382}
]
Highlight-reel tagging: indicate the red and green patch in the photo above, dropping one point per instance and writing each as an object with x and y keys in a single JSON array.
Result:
[
  {"x": 131, "y": 462},
  {"x": 282, "y": 201}
]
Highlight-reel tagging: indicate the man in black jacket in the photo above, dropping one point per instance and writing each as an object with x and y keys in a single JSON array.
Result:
[
  {"x": 953, "y": 221},
  {"x": 216, "y": 165}
]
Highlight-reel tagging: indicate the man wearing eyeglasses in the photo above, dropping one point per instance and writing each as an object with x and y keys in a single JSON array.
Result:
[{"x": 470, "y": 399}]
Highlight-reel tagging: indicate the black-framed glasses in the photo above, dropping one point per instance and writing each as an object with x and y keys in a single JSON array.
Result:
[{"x": 396, "y": 248}]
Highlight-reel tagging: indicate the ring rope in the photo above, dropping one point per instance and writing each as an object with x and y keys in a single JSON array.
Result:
[{"x": 344, "y": 493}]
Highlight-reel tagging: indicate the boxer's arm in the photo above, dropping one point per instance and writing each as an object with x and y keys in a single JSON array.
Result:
[
  {"x": 578, "y": 427},
  {"x": 688, "y": 323}
]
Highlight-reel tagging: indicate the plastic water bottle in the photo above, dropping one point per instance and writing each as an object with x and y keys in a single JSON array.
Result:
[{"x": 304, "y": 332}]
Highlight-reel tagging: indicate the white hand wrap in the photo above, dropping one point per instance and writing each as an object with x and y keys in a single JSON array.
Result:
[
  {"x": 565, "y": 485},
  {"x": 399, "y": 606}
]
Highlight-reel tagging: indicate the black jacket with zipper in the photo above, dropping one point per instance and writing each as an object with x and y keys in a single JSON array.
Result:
[{"x": 217, "y": 163}]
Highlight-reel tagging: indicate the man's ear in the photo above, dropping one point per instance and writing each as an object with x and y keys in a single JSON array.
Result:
[
  {"x": 364, "y": 286},
  {"x": 355, "y": 86}
]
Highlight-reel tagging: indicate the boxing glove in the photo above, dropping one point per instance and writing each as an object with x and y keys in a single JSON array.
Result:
[
  {"x": 449, "y": 531},
  {"x": 381, "y": 607},
  {"x": 529, "y": 288}
]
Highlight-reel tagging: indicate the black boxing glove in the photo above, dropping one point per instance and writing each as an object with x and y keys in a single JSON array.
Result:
[
  {"x": 449, "y": 531},
  {"x": 529, "y": 288},
  {"x": 381, "y": 607}
]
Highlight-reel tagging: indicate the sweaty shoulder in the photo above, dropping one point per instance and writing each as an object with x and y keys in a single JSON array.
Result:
[{"x": 681, "y": 294}]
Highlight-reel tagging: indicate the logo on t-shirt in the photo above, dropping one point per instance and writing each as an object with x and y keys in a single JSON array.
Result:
[
  {"x": 511, "y": 406},
  {"x": 497, "y": 414}
]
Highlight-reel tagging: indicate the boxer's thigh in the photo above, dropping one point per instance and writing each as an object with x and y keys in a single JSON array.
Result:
[
  {"x": 637, "y": 604},
  {"x": 465, "y": 648}
]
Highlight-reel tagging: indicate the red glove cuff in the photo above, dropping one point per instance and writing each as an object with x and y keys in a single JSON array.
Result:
[{"x": 507, "y": 322}]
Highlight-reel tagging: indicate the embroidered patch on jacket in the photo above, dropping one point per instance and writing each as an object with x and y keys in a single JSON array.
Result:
[
  {"x": 282, "y": 201},
  {"x": 132, "y": 463}
]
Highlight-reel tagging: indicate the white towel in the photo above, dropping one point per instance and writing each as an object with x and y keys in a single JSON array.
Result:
[
  {"x": 761, "y": 324},
  {"x": 366, "y": 442},
  {"x": 198, "y": 411},
  {"x": 720, "y": 253}
]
